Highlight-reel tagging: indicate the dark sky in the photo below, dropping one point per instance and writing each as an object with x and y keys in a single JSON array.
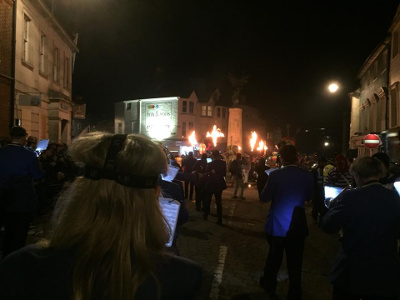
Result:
[{"x": 290, "y": 50}]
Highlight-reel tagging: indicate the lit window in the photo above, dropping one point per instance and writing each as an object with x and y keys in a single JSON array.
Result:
[
  {"x": 25, "y": 54},
  {"x": 209, "y": 111},
  {"x": 191, "y": 107},
  {"x": 204, "y": 110},
  {"x": 56, "y": 66},
  {"x": 42, "y": 49},
  {"x": 184, "y": 106}
]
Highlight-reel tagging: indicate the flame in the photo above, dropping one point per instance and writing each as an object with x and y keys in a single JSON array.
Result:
[
  {"x": 192, "y": 139},
  {"x": 215, "y": 134},
  {"x": 253, "y": 140},
  {"x": 261, "y": 145}
]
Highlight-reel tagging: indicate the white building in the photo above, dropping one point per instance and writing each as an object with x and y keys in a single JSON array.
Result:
[
  {"x": 171, "y": 119},
  {"x": 44, "y": 60}
]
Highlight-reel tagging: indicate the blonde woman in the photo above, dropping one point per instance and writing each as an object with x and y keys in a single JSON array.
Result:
[{"x": 109, "y": 234}]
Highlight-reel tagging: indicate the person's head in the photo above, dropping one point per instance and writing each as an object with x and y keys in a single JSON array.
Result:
[
  {"x": 384, "y": 158},
  {"x": 367, "y": 168},
  {"x": 238, "y": 156},
  {"x": 204, "y": 156},
  {"x": 190, "y": 154},
  {"x": 109, "y": 223},
  {"x": 18, "y": 135},
  {"x": 341, "y": 164},
  {"x": 32, "y": 142},
  {"x": 288, "y": 154},
  {"x": 216, "y": 155}
]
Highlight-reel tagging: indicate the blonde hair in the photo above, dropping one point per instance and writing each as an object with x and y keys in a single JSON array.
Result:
[{"x": 114, "y": 231}]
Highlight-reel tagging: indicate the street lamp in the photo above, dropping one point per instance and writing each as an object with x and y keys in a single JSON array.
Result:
[{"x": 333, "y": 87}]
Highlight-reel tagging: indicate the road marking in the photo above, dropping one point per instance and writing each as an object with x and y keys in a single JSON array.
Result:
[{"x": 219, "y": 271}]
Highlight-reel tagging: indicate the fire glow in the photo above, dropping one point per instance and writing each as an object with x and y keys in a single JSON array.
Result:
[
  {"x": 215, "y": 134},
  {"x": 253, "y": 140},
  {"x": 192, "y": 139}
]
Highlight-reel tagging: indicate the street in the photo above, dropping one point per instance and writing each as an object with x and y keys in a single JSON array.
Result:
[{"x": 233, "y": 255}]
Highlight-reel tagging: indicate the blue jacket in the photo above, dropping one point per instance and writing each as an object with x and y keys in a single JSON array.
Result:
[
  {"x": 18, "y": 168},
  {"x": 367, "y": 263},
  {"x": 286, "y": 188}
]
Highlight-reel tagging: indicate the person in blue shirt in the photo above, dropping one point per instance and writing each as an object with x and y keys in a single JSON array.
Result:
[
  {"x": 286, "y": 228},
  {"x": 19, "y": 169}
]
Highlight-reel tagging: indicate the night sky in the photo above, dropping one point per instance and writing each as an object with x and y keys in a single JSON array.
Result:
[{"x": 289, "y": 51}]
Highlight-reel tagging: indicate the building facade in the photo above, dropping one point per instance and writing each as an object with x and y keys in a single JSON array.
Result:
[
  {"x": 7, "y": 29},
  {"x": 172, "y": 120},
  {"x": 369, "y": 104},
  {"x": 44, "y": 56}
]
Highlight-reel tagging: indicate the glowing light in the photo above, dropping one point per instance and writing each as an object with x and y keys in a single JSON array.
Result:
[
  {"x": 253, "y": 140},
  {"x": 261, "y": 145},
  {"x": 249, "y": 185},
  {"x": 192, "y": 139},
  {"x": 215, "y": 134},
  {"x": 202, "y": 148},
  {"x": 239, "y": 148},
  {"x": 326, "y": 144},
  {"x": 333, "y": 87}
]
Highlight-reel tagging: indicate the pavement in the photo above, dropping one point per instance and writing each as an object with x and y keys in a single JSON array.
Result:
[{"x": 233, "y": 255}]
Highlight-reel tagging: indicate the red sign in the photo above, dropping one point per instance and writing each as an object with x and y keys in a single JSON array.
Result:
[{"x": 372, "y": 141}]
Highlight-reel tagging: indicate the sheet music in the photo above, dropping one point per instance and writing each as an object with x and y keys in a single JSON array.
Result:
[{"x": 170, "y": 209}]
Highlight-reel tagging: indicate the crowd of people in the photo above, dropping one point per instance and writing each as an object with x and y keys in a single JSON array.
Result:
[{"x": 107, "y": 236}]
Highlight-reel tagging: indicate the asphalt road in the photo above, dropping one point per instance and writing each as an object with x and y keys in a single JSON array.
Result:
[{"x": 233, "y": 255}]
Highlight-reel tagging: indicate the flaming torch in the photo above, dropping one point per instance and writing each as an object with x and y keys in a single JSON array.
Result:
[
  {"x": 192, "y": 139},
  {"x": 215, "y": 134},
  {"x": 253, "y": 140},
  {"x": 262, "y": 146}
]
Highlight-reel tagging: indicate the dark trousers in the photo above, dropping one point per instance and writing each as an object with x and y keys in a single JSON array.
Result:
[
  {"x": 294, "y": 248},
  {"x": 200, "y": 195},
  {"x": 189, "y": 184},
  {"x": 207, "y": 203},
  {"x": 16, "y": 227},
  {"x": 339, "y": 294}
]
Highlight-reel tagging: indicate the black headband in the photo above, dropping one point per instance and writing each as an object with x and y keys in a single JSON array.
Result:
[{"x": 109, "y": 170}]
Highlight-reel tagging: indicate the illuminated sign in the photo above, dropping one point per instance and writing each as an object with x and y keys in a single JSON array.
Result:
[{"x": 158, "y": 122}]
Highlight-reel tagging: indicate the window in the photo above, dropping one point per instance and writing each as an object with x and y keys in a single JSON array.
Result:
[
  {"x": 206, "y": 111},
  {"x": 66, "y": 72},
  {"x": 395, "y": 44},
  {"x": 42, "y": 49},
  {"x": 191, "y": 107},
  {"x": 56, "y": 66},
  {"x": 209, "y": 111},
  {"x": 184, "y": 129},
  {"x": 25, "y": 49},
  {"x": 129, "y": 106},
  {"x": 191, "y": 126},
  {"x": 218, "y": 112},
  {"x": 184, "y": 106}
]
